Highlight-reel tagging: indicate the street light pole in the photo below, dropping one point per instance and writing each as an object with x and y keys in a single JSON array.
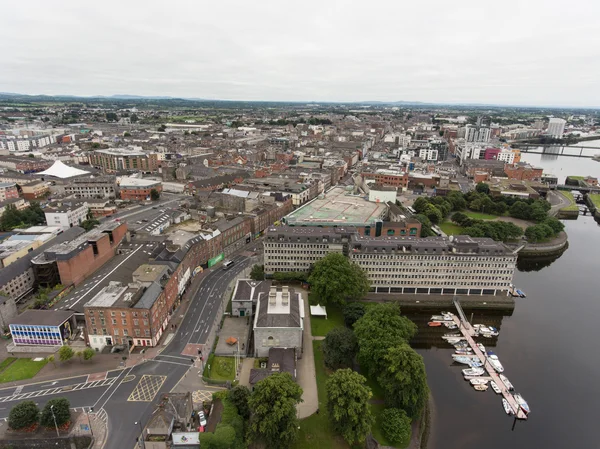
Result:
[
  {"x": 142, "y": 443},
  {"x": 91, "y": 409},
  {"x": 54, "y": 417}
]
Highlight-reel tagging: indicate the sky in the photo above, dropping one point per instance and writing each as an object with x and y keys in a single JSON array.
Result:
[{"x": 525, "y": 52}]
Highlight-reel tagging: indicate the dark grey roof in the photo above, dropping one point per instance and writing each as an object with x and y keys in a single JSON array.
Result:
[
  {"x": 21, "y": 265},
  {"x": 248, "y": 289},
  {"x": 42, "y": 317},
  {"x": 281, "y": 360},
  {"x": 292, "y": 319},
  {"x": 149, "y": 297}
]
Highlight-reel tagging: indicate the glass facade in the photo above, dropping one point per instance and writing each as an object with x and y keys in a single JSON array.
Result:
[{"x": 36, "y": 335}]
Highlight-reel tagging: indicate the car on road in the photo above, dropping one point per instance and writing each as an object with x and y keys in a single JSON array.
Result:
[
  {"x": 202, "y": 418},
  {"x": 145, "y": 220},
  {"x": 138, "y": 222}
]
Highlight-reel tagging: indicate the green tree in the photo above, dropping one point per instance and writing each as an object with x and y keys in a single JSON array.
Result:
[
  {"x": 61, "y": 412},
  {"x": 457, "y": 200},
  {"x": 556, "y": 225},
  {"x": 239, "y": 396},
  {"x": 52, "y": 360},
  {"x": 404, "y": 380},
  {"x": 420, "y": 205},
  {"x": 88, "y": 225},
  {"x": 257, "y": 273},
  {"x": 79, "y": 355},
  {"x": 339, "y": 348},
  {"x": 112, "y": 117},
  {"x": 273, "y": 411},
  {"x": 24, "y": 414},
  {"x": 65, "y": 353},
  {"x": 434, "y": 214},
  {"x": 482, "y": 187},
  {"x": 395, "y": 425},
  {"x": 380, "y": 328},
  {"x": 134, "y": 118},
  {"x": 88, "y": 353},
  {"x": 537, "y": 212},
  {"x": 348, "y": 405},
  {"x": 11, "y": 218},
  {"x": 334, "y": 279},
  {"x": 154, "y": 195},
  {"x": 520, "y": 209},
  {"x": 353, "y": 311},
  {"x": 461, "y": 219}
]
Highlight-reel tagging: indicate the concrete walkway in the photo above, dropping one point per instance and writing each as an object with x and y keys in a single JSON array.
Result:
[
  {"x": 306, "y": 369},
  {"x": 247, "y": 365}
]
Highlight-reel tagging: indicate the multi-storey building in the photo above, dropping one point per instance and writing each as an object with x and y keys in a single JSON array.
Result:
[
  {"x": 25, "y": 164},
  {"x": 395, "y": 178},
  {"x": 297, "y": 248},
  {"x": 477, "y": 133},
  {"x": 24, "y": 143},
  {"x": 34, "y": 190},
  {"x": 137, "y": 189},
  {"x": 8, "y": 190},
  {"x": 556, "y": 127},
  {"x": 92, "y": 187},
  {"x": 523, "y": 172},
  {"x": 459, "y": 265},
  {"x": 120, "y": 159},
  {"x": 66, "y": 214}
]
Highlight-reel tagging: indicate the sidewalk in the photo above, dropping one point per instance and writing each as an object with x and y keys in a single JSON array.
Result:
[
  {"x": 95, "y": 426},
  {"x": 307, "y": 378}
]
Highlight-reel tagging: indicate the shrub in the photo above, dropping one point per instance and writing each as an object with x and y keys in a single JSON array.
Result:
[
  {"x": 395, "y": 425},
  {"x": 23, "y": 415}
]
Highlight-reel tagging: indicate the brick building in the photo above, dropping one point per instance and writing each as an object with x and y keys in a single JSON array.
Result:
[
  {"x": 388, "y": 178},
  {"x": 119, "y": 159},
  {"x": 522, "y": 171},
  {"x": 69, "y": 263},
  {"x": 137, "y": 189},
  {"x": 8, "y": 190},
  {"x": 34, "y": 190}
]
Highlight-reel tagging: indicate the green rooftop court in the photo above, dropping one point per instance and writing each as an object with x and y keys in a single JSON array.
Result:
[{"x": 337, "y": 207}]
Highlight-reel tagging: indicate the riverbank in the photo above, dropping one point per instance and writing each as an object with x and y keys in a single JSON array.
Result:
[
  {"x": 440, "y": 302},
  {"x": 552, "y": 247}
]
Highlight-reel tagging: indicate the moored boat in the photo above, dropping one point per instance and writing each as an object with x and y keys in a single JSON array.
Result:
[
  {"x": 462, "y": 359},
  {"x": 521, "y": 293},
  {"x": 493, "y": 360},
  {"x": 507, "y": 407},
  {"x": 522, "y": 403},
  {"x": 481, "y": 347},
  {"x": 452, "y": 335},
  {"x": 506, "y": 382},
  {"x": 463, "y": 351},
  {"x": 473, "y": 371},
  {"x": 480, "y": 387},
  {"x": 478, "y": 381},
  {"x": 495, "y": 387},
  {"x": 441, "y": 318},
  {"x": 434, "y": 324}
]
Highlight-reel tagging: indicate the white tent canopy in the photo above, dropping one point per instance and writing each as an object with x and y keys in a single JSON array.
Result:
[
  {"x": 318, "y": 310},
  {"x": 62, "y": 171}
]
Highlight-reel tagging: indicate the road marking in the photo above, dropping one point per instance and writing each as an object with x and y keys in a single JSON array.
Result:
[
  {"x": 34, "y": 394},
  {"x": 114, "y": 269},
  {"x": 147, "y": 388}
]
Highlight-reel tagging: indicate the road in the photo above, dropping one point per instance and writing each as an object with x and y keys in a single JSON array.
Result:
[
  {"x": 558, "y": 202},
  {"x": 129, "y": 395}
]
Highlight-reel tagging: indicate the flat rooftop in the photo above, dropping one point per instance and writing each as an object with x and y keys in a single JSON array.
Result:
[
  {"x": 338, "y": 208},
  {"x": 42, "y": 318}
]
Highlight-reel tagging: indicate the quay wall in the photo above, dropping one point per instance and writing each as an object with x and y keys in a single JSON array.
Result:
[
  {"x": 554, "y": 247},
  {"x": 437, "y": 302}
]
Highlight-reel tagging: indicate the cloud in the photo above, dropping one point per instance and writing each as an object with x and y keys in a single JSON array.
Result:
[{"x": 513, "y": 52}]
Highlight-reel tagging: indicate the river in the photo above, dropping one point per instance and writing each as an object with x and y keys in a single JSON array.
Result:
[
  {"x": 548, "y": 347},
  {"x": 563, "y": 166}
]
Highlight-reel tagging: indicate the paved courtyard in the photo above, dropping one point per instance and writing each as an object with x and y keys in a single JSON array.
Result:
[{"x": 233, "y": 327}]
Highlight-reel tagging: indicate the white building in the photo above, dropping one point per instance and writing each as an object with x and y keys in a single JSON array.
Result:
[
  {"x": 428, "y": 154},
  {"x": 556, "y": 127},
  {"x": 477, "y": 133},
  {"x": 66, "y": 215},
  {"x": 507, "y": 156}
]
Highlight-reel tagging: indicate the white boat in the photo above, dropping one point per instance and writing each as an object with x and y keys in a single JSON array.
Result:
[
  {"x": 479, "y": 387},
  {"x": 522, "y": 403},
  {"x": 466, "y": 351},
  {"x": 441, "y": 318},
  {"x": 450, "y": 325},
  {"x": 462, "y": 359},
  {"x": 489, "y": 334},
  {"x": 493, "y": 360},
  {"x": 473, "y": 371},
  {"x": 495, "y": 387},
  {"x": 481, "y": 347},
  {"x": 453, "y": 341},
  {"x": 452, "y": 335},
  {"x": 469, "y": 356},
  {"x": 506, "y": 382},
  {"x": 478, "y": 381},
  {"x": 507, "y": 407},
  {"x": 475, "y": 364}
]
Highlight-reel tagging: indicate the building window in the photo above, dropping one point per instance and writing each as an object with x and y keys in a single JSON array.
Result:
[
  {"x": 391, "y": 232},
  {"x": 125, "y": 332}
]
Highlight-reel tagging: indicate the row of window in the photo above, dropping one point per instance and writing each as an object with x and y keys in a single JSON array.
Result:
[
  {"x": 136, "y": 322},
  {"x": 137, "y": 332},
  {"x": 113, "y": 313}
]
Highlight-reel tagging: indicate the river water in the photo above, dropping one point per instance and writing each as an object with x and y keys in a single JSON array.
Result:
[{"x": 548, "y": 347}]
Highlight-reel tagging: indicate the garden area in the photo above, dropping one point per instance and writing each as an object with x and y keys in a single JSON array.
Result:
[
  {"x": 320, "y": 325},
  {"x": 13, "y": 369},
  {"x": 219, "y": 368},
  {"x": 570, "y": 197}
]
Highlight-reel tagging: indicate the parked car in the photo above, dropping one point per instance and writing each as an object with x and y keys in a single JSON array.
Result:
[{"x": 202, "y": 418}]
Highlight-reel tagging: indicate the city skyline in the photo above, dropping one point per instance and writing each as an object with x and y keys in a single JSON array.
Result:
[{"x": 469, "y": 53}]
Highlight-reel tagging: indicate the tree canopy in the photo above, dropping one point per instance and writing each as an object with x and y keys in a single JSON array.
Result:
[
  {"x": 352, "y": 312},
  {"x": 348, "y": 405},
  {"x": 334, "y": 279},
  {"x": 380, "y": 328},
  {"x": 154, "y": 195},
  {"x": 239, "y": 396},
  {"x": 273, "y": 411},
  {"x": 395, "y": 425},
  {"x": 24, "y": 414},
  {"x": 403, "y": 377},
  {"x": 257, "y": 273},
  {"x": 65, "y": 353},
  {"x": 30, "y": 216},
  {"x": 61, "y": 412},
  {"x": 339, "y": 348}
]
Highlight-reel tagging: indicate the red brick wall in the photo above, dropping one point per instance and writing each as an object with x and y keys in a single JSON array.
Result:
[{"x": 521, "y": 173}]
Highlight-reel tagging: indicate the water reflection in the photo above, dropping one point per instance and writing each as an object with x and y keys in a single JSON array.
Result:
[{"x": 536, "y": 264}]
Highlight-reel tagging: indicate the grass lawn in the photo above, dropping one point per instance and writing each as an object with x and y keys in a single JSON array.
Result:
[
  {"x": 479, "y": 215},
  {"x": 570, "y": 197},
  {"x": 21, "y": 369},
  {"x": 595, "y": 198},
  {"x": 7, "y": 361},
  {"x": 221, "y": 368},
  {"x": 319, "y": 326},
  {"x": 316, "y": 431},
  {"x": 450, "y": 228}
]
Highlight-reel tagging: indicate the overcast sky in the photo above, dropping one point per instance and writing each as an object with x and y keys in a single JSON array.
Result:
[{"x": 525, "y": 52}]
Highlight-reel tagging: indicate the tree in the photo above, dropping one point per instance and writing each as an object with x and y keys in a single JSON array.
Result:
[
  {"x": 257, "y": 273},
  {"x": 556, "y": 225},
  {"x": 61, "y": 412},
  {"x": 11, "y": 218},
  {"x": 461, "y": 219},
  {"x": 112, "y": 117},
  {"x": 433, "y": 213},
  {"x": 348, "y": 405},
  {"x": 482, "y": 187},
  {"x": 273, "y": 411},
  {"x": 88, "y": 353},
  {"x": 380, "y": 328},
  {"x": 352, "y": 312},
  {"x": 537, "y": 211},
  {"x": 404, "y": 380},
  {"x": 52, "y": 360},
  {"x": 88, "y": 225},
  {"x": 335, "y": 279},
  {"x": 420, "y": 205},
  {"x": 339, "y": 348},
  {"x": 65, "y": 353},
  {"x": 239, "y": 396},
  {"x": 520, "y": 209},
  {"x": 395, "y": 425},
  {"x": 134, "y": 118},
  {"x": 24, "y": 414},
  {"x": 154, "y": 195}
]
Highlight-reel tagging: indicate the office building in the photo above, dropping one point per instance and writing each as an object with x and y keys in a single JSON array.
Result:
[
  {"x": 66, "y": 214},
  {"x": 556, "y": 127},
  {"x": 92, "y": 187}
]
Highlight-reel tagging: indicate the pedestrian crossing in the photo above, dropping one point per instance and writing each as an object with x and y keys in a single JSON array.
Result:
[{"x": 18, "y": 396}]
